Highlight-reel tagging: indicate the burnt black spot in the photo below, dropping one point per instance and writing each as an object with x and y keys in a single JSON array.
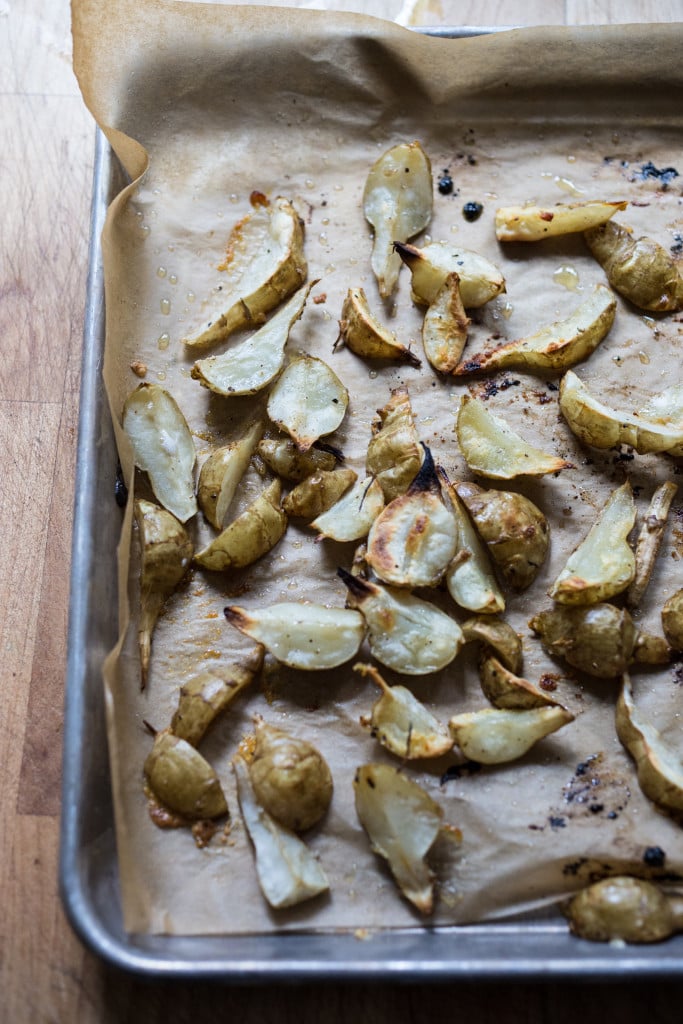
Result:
[
  {"x": 445, "y": 183},
  {"x": 648, "y": 171},
  {"x": 654, "y": 857},
  {"x": 456, "y": 771},
  {"x": 556, "y": 822},
  {"x": 472, "y": 211},
  {"x": 120, "y": 489}
]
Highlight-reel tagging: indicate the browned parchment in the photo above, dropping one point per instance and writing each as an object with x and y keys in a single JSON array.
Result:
[{"x": 222, "y": 101}]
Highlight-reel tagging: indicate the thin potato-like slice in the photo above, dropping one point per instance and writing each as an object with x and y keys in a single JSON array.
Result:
[
  {"x": 248, "y": 537},
  {"x": 660, "y": 772},
  {"x": 493, "y": 449},
  {"x": 401, "y": 723},
  {"x": 397, "y": 201},
  {"x": 405, "y": 633},
  {"x": 265, "y": 258},
  {"x": 650, "y": 540},
  {"x": 603, "y": 564},
  {"x": 556, "y": 347},
  {"x": 308, "y": 401},
  {"x": 318, "y": 493},
  {"x": 506, "y": 690},
  {"x": 640, "y": 269},
  {"x": 496, "y": 735},
  {"x": 362, "y": 332},
  {"x": 162, "y": 447},
  {"x": 351, "y": 517},
  {"x": 305, "y": 636},
  {"x": 470, "y": 579},
  {"x": 250, "y": 366},
  {"x": 444, "y": 329},
  {"x": 402, "y": 822},
  {"x": 394, "y": 453},
  {"x": 597, "y": 425},
  {"x": 220, "y": 475},
  {"x": 479, "y": 280},
  {"x": 533, "y": 223}
]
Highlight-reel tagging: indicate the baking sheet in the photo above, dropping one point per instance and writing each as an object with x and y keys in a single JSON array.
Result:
[{"x": 186, "y": 209}]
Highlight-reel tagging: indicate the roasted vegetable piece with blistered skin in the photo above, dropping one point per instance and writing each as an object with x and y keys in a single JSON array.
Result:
[
  {"x": 504, "y": 689},
  {"x": 166, "y": 554},
  {"x": 221, "y": 473},
  {"x": 479, "y": 280},
  {"x": 305, "y": 636},
  {"x": 534, "y": 223},
  {"x": 514, "y": 529},
  {"x": 182, "y": 780},
  {"x": 291, "y": 779},
  {"x": 470, "y": 578},
  {"x": 397, "y": 200},
  {"x": 444, "y": 328},
  {"x": 626, "y": 909},
  {"x": 394, "y": 454},
  {"x": 362, "y": 332},
  {"x": 640, "y": 269},
  {"x": 672, "y": 620},
  {"x": 205, "y": 697},
  {"x": 318, "y": 493},
  {"x": 248, "y": 537},
  {"x": 351, "y": 517},
  {"x": 497, "y": 635},
  {"x": 495, "y": 736},
  {"x": 282, "y": 456},
  {"x": 308, "y": 401},
  {"x": 401, "y": 723},
  {"x": 650, "y": 540}
]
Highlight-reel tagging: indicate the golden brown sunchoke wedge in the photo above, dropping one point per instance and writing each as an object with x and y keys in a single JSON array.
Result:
[
  {"x": 205, "y": 697},
  {"x": 308, "y": 401},
  {"x": 660, "y": 770},
  {"x": 514, "y": 529},
  {"x": 248, "y": 537},
  {"x": 362, "y": 332},
  {"x": 640, "y": 269},
  {"x": 318, "y": 493},
  {"x": 412, "y": 542},
  {"x": 291, "y": 779},
  {"x": 402, "y": 822},
  {"x": 498, "y": 637},
  {"x": 305, "y": 636},
  {"x": 556, "y": 347},
  {"x": 397, "y": 201},
  {"x": 602, "y": 640},
  {"x": 162, "y": 447},
  {"x": 394, "y": 454},
  {"x": 405, "y": 633},
  {"x": 603, "y": 564},
  {"x": 165, "y": 556},
  {"x": 444, "y": 329},
  {"x": 493, "y": 449},
  {"x": 650, "y": 540},
  {"x": 504, "y": 689},
  {"x": 479, "y": 280},
  {"x": 288, "y": 873},
  {"x": 401, "y": 723},
  {"x": 672, "y": 620},
  {"x": 351, "y": 517},
  {"x": 495, "y": 736},
  {"x": 534, "y": 223},
  {"x": 265, "y": 262},
  {"x": 597, "y": 425},
  {"x": 282, "y": 456},
  {"x": 470, "y": 578},
  {"x": 251, "y": 365},
  {"x": 182, "y": 780},
  {"x": 221, "y": 473},
  {"x": 624, "y": 908}
]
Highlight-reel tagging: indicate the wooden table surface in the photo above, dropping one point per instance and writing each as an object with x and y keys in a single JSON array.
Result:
[{"x": 45, "y": 173}]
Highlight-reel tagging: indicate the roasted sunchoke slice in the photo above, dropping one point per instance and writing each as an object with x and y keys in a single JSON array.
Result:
[
  {"x": 394, "y": 454},
  {"x": 402, "y": 822},
  {"x": 401, "y": 723},
  {"x": 205, "y": 697},
  {"x": 650, "y": 540},
  {"x": 603, "y": 564},
  {"x": 506, "y": 690},
  {"x": 495, "y": 736},
  {"x": 162, "y": 447},
  {"x": 514, "y": 529},
  {"x": 444, "y": 329},
  {"x": 308, "y": 401},
  {"x": 412, "y": 542},
  {"x": 533, "y": 223},
  {"x": 672, "y": 620},
  {"x": 470, "y": 579},
  {"x": 282, "y": 456},
  {"x": 601, "y": 640},
  {"x": 182, "y": 780},
  {"x": 318, "y": 492},
  {"x": 405, "y": 633},
  {"x": 596, "y": 425},
  {"x": 266, "y": 263},
  {"x": 397, "y": 201},
  {"x": 287, "y": 871},
  {"x": 165, "y": 555},
  {"x": 362, "y": 332},
  {"x": 479, "y": 280},
  {"x": 291, "y": 779},
  {"x": 305, "y": 636},
  {"x": 660, "y": 771},
  {"x": 556, "y": 347},
  {"x": 625, "y": 908},
  {"x": 248, "y": 537},
  {"x": 640, "y": 269},
  {"x": 221, "y": 473},
  {"x": 351, "y": 517},
  {"x": 497, "y": 635},
  {"x": 493, "y": 449},
  {"x": 252, "y": 364}
]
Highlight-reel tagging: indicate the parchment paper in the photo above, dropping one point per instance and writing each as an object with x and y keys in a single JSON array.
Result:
[{"x": 222, "y": 101}]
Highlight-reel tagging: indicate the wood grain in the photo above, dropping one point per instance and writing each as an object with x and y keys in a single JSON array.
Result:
[{"x": 46, "y": 138}]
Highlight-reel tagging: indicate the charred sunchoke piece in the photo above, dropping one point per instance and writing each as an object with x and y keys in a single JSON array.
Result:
[
  {"x": 506, "y": 690},
  {"x": 650, "y": 540},
  {"x": 205, "y": 697},
  {"x": 308, "y": 401},
  {"x": 470, "y": 578},
  {"x": 479, "y": 280},
  {"x": 220, "y": 475},
  {"x": 318, "y": 493},
  {"x": 533, "y": 223},
  {"x": 166, "y": 553},
  {"x": 402, "y": 822},
  {"x": 495, "y": 736},
  {"x": 182, "y": 780},
  {"x": 497, "y": 635},
  {"x": 397, "y": 201},
  {"x": 394, "y": 453},
  {"x": 625, "y": 908},
  {"x": 284, "y": 458},
  {"x": 401, "y": 723},
  {"x": 444, "y": 329},
  {"x": 248, "y": 537},
  {"x": 362, "y": 332},
  {"x": 305, "y": 636},
  {"x": 640, "y": 269},
  {"x": 162, "y": 447}
]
